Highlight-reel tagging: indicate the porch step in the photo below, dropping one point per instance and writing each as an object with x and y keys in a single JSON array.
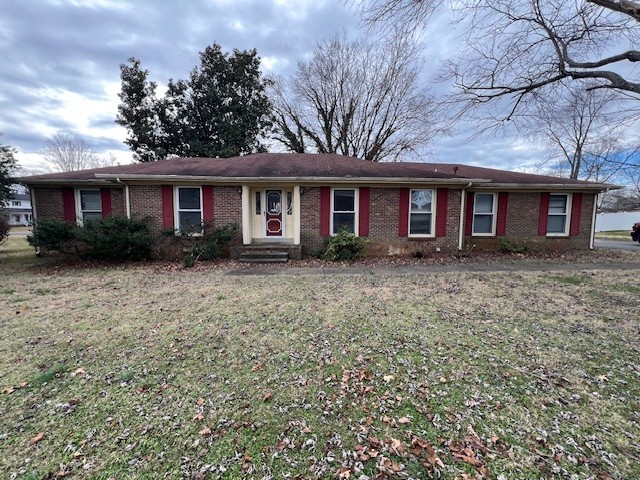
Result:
[
  {"x": 264, "y": 256},
  {"x": 263, "y": 253}
]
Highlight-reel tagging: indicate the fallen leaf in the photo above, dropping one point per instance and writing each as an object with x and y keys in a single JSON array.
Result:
[
  {"x": 388, "y": 378},
  {"x": 8, "y": 390},
  {"x": 198, "y": 417},
  {"x": 205, "y": 431},
  {"x": 36, "y": 439},
  {"x": 267, "y": 396},
  {"x": 80, "y": 371},
  {"x": 200, "y": 401},
  {"x": 403, "y": 420}
]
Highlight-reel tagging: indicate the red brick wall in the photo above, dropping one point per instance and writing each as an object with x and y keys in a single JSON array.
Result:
[
  {"x": 146, "y": 202},
  {"x": 117, "y": 202},
  {"x": 48, "y": 203},
  {"x": 385, "y": 219},
  {"x": 227, "y": 207},
  {"x": 49, "y": 206},
  {"x": 310, "y": 219},
  {"x": 523, "y": 211}
]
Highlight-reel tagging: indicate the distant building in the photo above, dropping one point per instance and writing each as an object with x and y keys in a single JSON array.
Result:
[{"x": 18, "y": 207}]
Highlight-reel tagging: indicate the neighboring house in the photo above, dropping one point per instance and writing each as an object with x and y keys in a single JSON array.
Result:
[
  {"x": 18, "y": 208},
  {"x": 300, "y": 199}
]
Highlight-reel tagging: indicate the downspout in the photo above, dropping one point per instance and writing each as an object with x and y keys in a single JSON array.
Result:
[
  {"x": 593, "y": 220},
  {"x": 463, "y": 208},
  {"x": 34, "y": 215},
  {"x": 127, "y": 199}
]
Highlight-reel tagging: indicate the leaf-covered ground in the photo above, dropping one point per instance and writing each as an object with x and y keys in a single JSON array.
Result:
[{"x": 131, "y": 372}]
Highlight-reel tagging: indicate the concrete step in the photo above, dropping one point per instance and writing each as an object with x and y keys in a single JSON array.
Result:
[{"x": 264, "y": 256}]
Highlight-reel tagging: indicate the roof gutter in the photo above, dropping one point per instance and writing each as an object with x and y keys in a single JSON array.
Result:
[
  {"x": 463, "y": 208},
  {"x": 565, "y": 187},
  {"x": 275, "y": 179},
  {"x": 127, "y": 199}
]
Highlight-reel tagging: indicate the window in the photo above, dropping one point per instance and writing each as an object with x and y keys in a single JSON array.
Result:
[
  {"x": 484, "y": 214},
  {"x": 289, "y": 203},
  {"x": 258, "y": 203},
  {"x": 189, "y": 210},
  {"x": 558, "y": 219},
  {"x": 421, "y": 213},
  {"x": 89, "y": 205},
  {"x": 16, "y": 203},
  {"x": 343, "y": 210}
]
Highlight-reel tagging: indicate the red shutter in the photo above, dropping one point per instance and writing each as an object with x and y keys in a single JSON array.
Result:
[
  {"x": 441, "y": 213},
  {"x": 468, "y": 218},
  {"x": 363, "y": 211},
  {"x": 576, "y": 208},
  {"x": 501, "y": 221},
  {"x": 167, "y": 206},
  {"x": 69, "y": 204},
  {"x": 207, "y": 203},
  {"x": 544, "y": 214},
  {"x": 105, "y": 198},
  {"x": 325, "y": 207},
  {"x": 403, "y": 212}
]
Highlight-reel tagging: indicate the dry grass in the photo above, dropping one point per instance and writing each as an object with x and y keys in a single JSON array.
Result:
[
  {"x": 622, "y": 235},
  {"x": 134, "y": 372}
]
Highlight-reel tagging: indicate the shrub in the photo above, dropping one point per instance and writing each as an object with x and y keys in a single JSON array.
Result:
[
  {"x": 210, "y": 245},
  {"x": 4, "y": 226},
  {"x": 52, "y": 235},
  {"x": 344, "y": 246},
  {"x": 512, "y": 246},
  {"x": 117, "y": 238}
]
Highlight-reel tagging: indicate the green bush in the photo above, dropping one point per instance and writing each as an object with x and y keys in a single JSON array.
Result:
[
  {"x": 344, "y": 246},
  {"x": 513, "y": 246},
  {"x": 117, "y": 238},
  {"x": 210, "y": 245},
  {"x": 52, "y": 235}
]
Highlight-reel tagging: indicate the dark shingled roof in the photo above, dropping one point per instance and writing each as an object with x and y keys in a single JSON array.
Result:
[{"x": 297, "y": 165}]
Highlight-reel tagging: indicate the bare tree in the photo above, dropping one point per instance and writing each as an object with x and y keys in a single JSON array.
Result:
[
  {"x": 356, "y": 98},
  {"x": 517, "y": 48},
  {"x": 586, "y": 135},
  {"x": 64, "y": 152}
]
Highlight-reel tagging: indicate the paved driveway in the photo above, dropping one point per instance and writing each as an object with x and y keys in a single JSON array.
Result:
[{"x": 617, "y": 245}]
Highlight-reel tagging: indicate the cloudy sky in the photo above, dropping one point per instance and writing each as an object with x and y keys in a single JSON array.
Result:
[{"x": 60, "y": 62}]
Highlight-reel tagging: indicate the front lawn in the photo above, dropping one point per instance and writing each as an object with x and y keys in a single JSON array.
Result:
[{"x": 156, "y": 372}]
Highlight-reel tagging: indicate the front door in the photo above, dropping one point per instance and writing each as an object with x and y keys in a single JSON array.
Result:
[{"x": 273, "y": 213}]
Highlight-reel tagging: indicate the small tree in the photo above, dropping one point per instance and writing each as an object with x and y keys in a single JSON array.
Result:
[{"x": 8, "y": 167}]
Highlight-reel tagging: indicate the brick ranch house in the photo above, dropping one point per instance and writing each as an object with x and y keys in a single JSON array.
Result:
[{"x": 300, "y": 199}]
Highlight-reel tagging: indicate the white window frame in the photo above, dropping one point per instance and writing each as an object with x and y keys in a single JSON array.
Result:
[
  {"x": 79, "y": 212},
  {"x": 494, "y": 209},
  {"x": 16, "y": 203},
  {"x": 433, "y": 215},
  {"x": 566, "y": 214},
  {"x": 356, "y": 204},
  {"x": 177, "y": 210}
]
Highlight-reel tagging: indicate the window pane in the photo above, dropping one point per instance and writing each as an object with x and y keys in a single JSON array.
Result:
[
  {"x": 343, "y": 220},
  {"x": 344, "y": 201},
  {"x": 90, "y": 200},
  {"x": 289, "y": 203},
  {"x": 91, "y": 216},
  {"x": 189, "y": 198},
  {"x": 483, "y": 224},
  {"x": 273, "y": 203},
  {"x": 190, "y": 222},
  {"x": 557, "y": 204},
  {"x": 420, "y": 224},
  {"x": 421, "y": 200},
  {"x": 258, "y": 203},
  {"x": 483, "y": 203},
  {"x": 556, "y": 224}
]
